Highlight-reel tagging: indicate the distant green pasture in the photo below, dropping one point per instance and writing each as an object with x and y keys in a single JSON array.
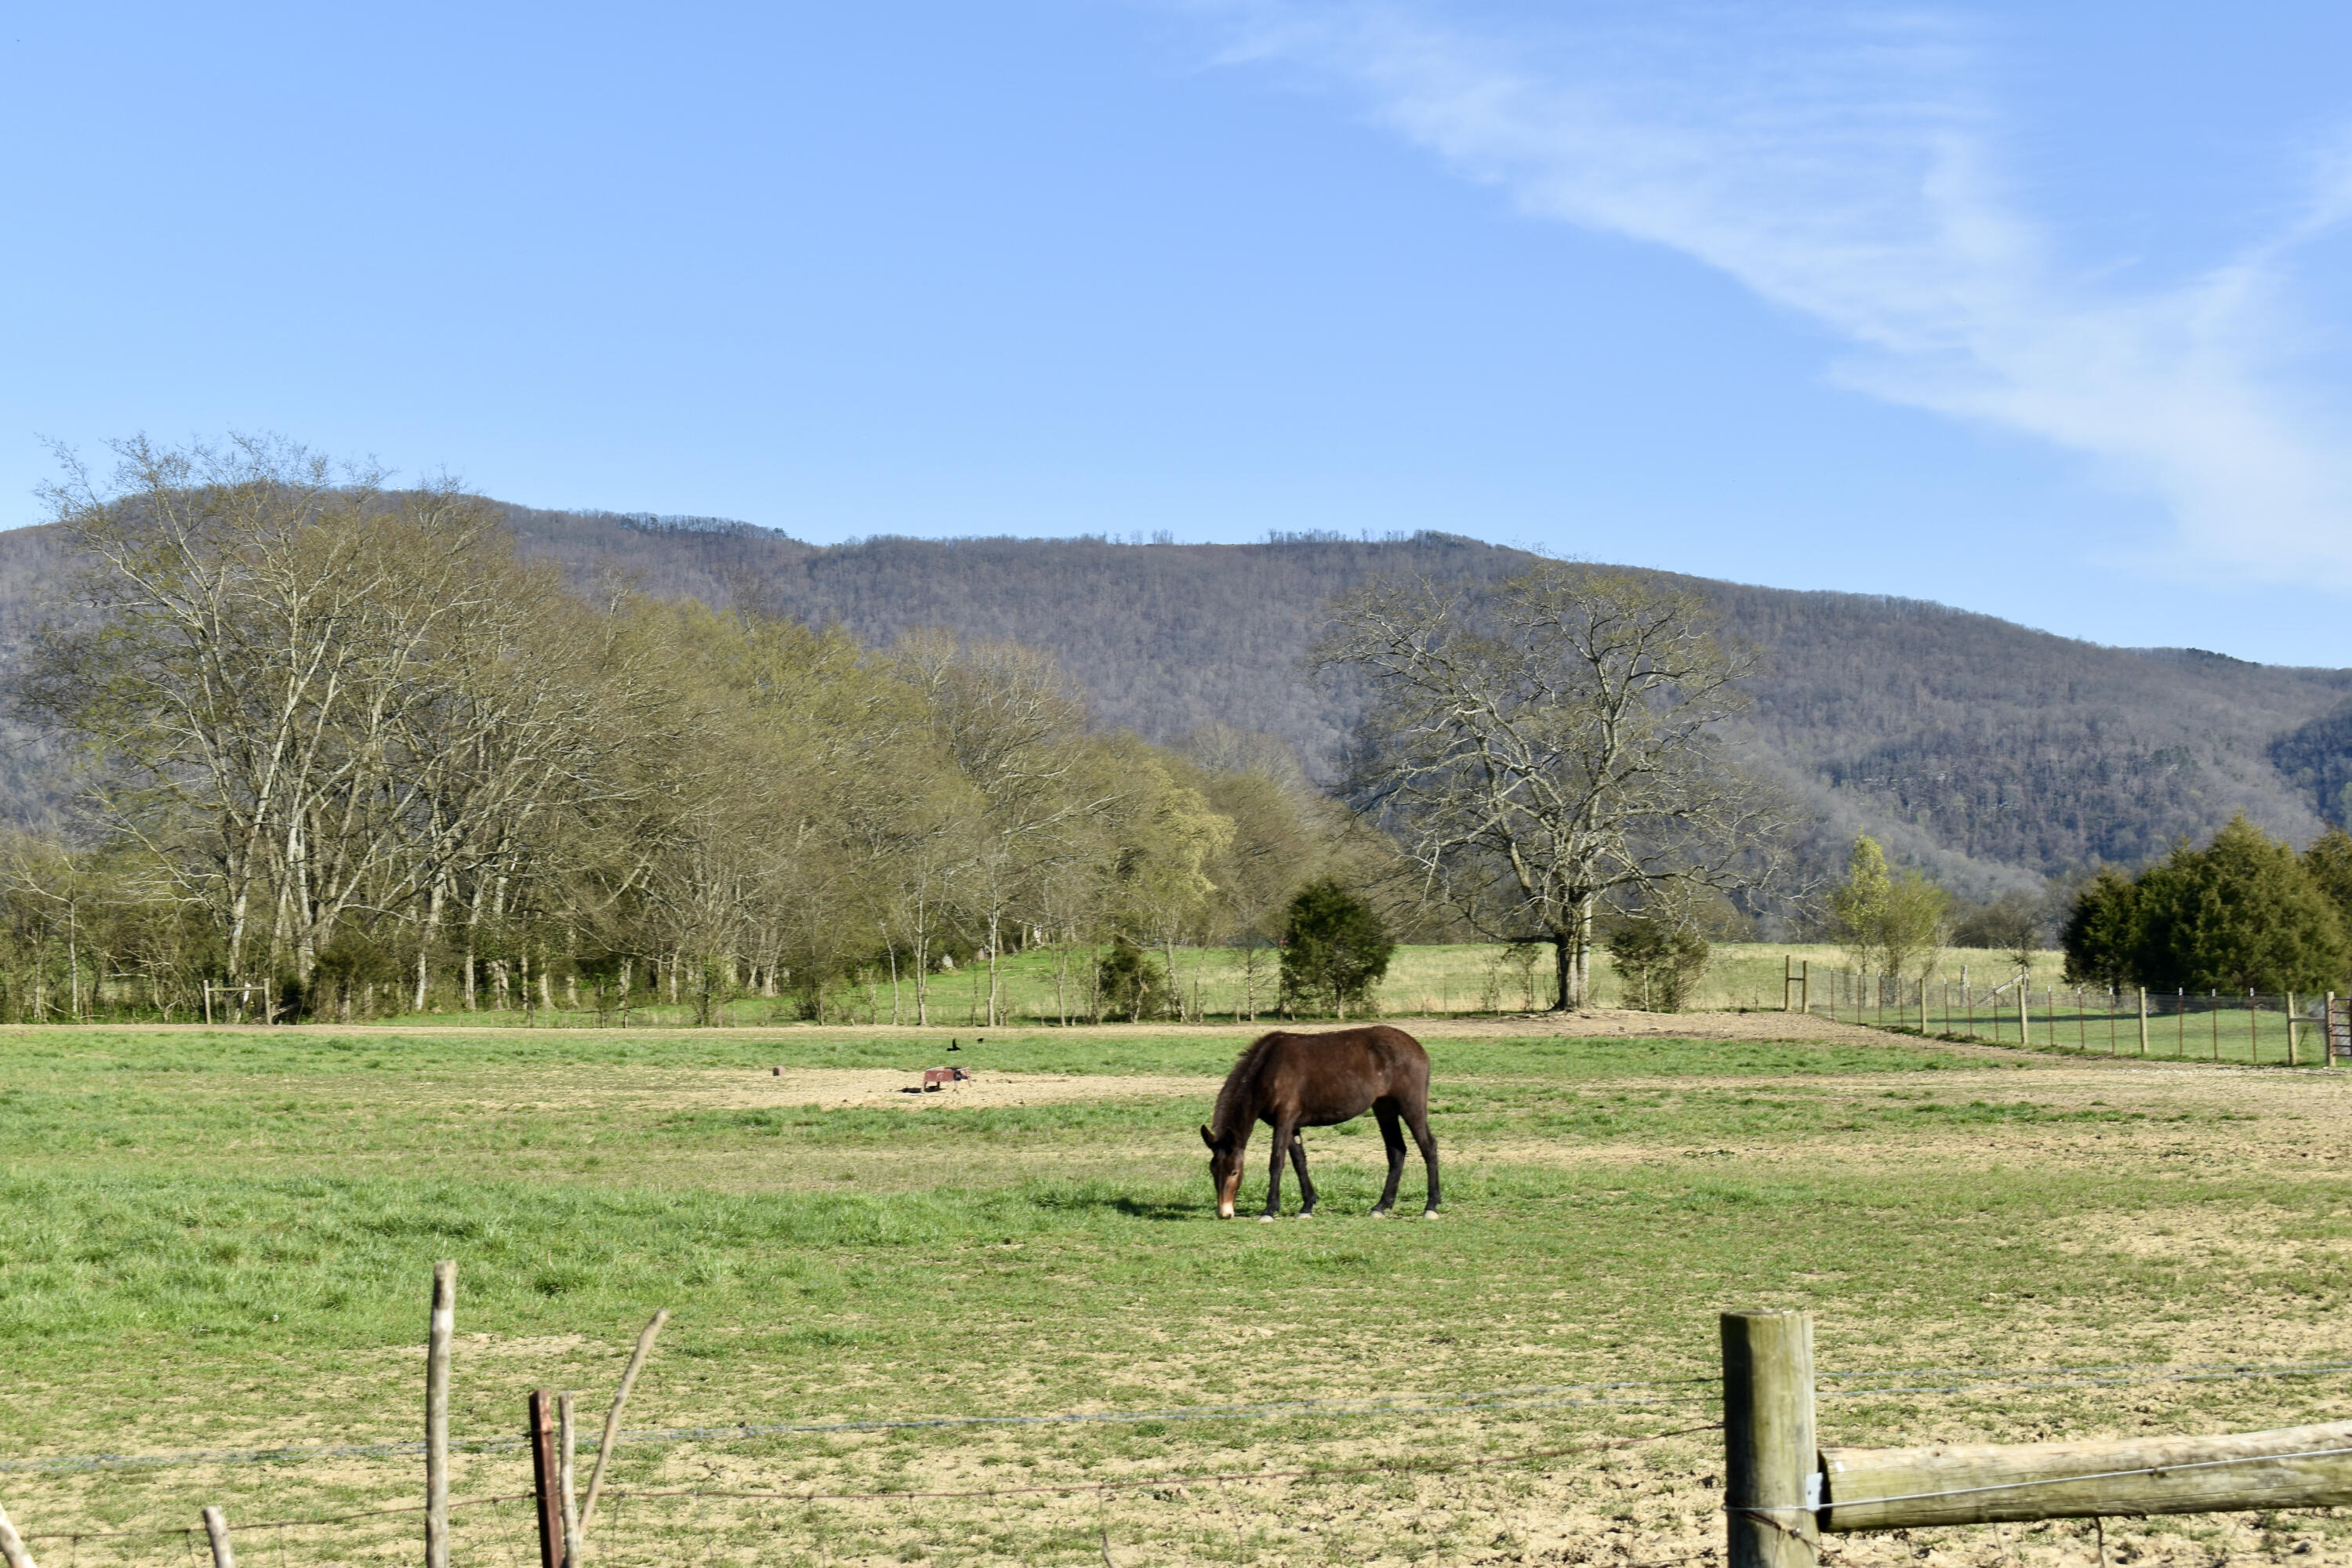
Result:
[{"x": 1423, "y": 980}]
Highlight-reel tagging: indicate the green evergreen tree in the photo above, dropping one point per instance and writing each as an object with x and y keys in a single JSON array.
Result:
[
  {"x": 1132, "y": 980},
  {"x": 2103, "y": 936},
  {"x": 1335, "y": 947},
  {"x": 1657, "y": 963},
  {"x": 2240, "y": 915},
  {"x": 2329, "y": 862}
]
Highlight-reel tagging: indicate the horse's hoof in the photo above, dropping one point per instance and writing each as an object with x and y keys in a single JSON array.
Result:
[
  {"x": 1379, "y": 1213},
  {"x": 1306, "y": 1214},
  {"x": 1265, "y": 1220},
  {"x": 1428, "y": 1213}
]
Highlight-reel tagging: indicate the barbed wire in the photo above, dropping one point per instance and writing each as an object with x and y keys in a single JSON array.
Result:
[
  {"x": 2009, "y": 1384},
  {"x": 1145, "y": 1483},
  {"x": 192, "y": 1530},
  {"x": 2165, "y": 1368},
  {"x": 1537, "y": 1397},
  {"x": 1524, "y": 1397},
  {"x": 1137, "y": 1484}
]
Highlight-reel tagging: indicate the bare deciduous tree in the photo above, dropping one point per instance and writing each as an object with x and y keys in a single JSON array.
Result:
[{"x": 1551, "y": 743}]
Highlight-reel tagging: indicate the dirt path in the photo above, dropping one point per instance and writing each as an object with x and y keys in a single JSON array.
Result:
[{"x": 834, "y": 1088}]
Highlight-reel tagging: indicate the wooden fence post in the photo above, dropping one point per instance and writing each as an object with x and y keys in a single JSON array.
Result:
[
  {"x": 11, "y": 1545},
  {"x": 2024, "y": 1014},
  {"x": 216, "y": 1530},
  {"x": 437, "y": 1413},
  {"x": 613, "y": 1417},
  {"x": 1771, "y": 1463},
  {"x": 544, "y": 1478},
  {"x": 2143, "y": 1020},
  {"x": 569, "y": 1447},
  {"x": 2290, "y": 1030}
]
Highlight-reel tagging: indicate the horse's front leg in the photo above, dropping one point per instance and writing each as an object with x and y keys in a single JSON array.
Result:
[
  {"x": 1283, "y": 1134},
  {"x": 1306, "y": 1185}
]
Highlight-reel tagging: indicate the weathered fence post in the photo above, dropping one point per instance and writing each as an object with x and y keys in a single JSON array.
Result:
[
  {"x": 216, "y": 1530},
  {"x": 613, "y": 1417},
  {"x": 2290, "y": 1030},
  {"x": 11, "y": 1545},
  {"x": 1771, "y": 1463},
  {"x": 2024, "y": 1014},
  {"x": 569, "y": 1447},
  {"x": 544, "y": 1478},
  {"x": 437, "y": 1413},
  {"x": 2143, "y": 1020}
]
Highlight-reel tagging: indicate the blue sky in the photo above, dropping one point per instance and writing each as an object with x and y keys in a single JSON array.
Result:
[{"x": 2038, "y": 310}]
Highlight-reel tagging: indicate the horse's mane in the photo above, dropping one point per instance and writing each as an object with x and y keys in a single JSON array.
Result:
[{"x": 1244, "y": 1074}]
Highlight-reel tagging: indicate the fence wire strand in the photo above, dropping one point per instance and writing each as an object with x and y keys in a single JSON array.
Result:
[
  {"x": 1145, "y": 1483},
  {"x": 1540, "y": 1396},
  {"x": 279, "y": 1524}
]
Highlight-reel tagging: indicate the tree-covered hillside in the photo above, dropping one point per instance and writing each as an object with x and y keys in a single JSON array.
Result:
[{"x": 1980, "y": 748}]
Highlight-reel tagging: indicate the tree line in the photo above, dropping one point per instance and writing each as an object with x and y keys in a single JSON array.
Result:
[
  {"x": 2244, "y": 912},
  {"x": 345, "y": 753},
  {"x": 348, "y": 755}
]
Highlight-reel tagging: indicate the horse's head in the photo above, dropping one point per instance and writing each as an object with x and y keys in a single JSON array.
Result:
[{"x": 1224, "y": 1169}]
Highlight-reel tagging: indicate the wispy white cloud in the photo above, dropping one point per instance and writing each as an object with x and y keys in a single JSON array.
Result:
[{"x": 1845, "y": 167}]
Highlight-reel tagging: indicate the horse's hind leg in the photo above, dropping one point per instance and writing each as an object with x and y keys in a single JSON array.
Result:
[
  {"x": 1394, "y": 1136},
  {"x": 1417, "y": 1117},
  {"x": 1305, "y": 1186}
]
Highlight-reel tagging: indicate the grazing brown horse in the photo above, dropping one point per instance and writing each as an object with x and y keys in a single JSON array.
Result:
[{"x": 1289, "y": 1081}]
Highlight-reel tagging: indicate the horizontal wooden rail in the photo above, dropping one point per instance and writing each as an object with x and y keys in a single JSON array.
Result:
[
  {"x": 1782, "y": 1492},
  {"x": 1901, "y": 1489}
]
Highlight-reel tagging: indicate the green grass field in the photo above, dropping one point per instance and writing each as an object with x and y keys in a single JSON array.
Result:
[
  {"x": 1424, "y": 982},
  {"x": 222, "y": 1240}
]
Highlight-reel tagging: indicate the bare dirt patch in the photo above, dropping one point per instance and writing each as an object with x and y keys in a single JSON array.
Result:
[{"x": 835, "y": 1089}]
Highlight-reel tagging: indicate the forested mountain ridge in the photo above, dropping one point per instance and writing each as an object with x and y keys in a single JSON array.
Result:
[{"x": 1988, "y": 752}]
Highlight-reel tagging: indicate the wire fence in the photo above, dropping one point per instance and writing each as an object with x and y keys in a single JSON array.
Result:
[
  {"x": 1615, "y": 1395},
  {"x": 491, "y": 1534},
  {"x": 2247, "y": 1027}
]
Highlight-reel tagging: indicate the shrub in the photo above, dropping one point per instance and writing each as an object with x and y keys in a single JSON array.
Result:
[
  {"x": 1335, "y": 948},
  {"x": 1132, "y": 982},
  {"x": 1658, "y": 965}
]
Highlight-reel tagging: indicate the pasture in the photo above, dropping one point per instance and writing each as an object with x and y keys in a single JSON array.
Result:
[
  {"x": 221, "y": 1240},
  {"x": 1424, "y": 981}
]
